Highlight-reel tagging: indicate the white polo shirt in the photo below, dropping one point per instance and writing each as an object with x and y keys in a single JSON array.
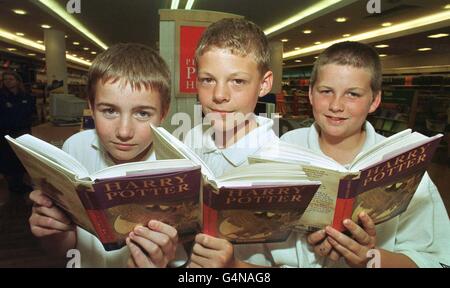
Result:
[
  {"x": 422, "y": 232},
  {"x": 219, "y": 160},
  {"x": 85, "y": 146}
]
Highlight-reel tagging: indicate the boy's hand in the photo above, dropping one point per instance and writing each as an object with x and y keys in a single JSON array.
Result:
[
  {"x": 354, "y": 249},
  {"x": 47, "y": 219},
  {"x": 211, "y": 252},
  {"x": 321, "y": 246},
  {"x": 153, "y": 246}
]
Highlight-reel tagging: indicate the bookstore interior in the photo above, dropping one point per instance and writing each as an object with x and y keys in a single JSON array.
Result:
[{"x": 51, "y": 45}]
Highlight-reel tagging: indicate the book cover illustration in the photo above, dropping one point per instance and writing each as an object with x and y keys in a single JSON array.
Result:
[
  {"x": 118, "y": 205},
  {"x": 256, "y": 214}
]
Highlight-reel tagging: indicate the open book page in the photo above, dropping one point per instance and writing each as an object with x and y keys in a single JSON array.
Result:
[
  {"x": 148, "y": 168},
  {"x": 290, "y": 153},
  {"x": 51, "y": 152},
  {"x": 59, "y": 184},
  {"x": 168, "y": 146}
]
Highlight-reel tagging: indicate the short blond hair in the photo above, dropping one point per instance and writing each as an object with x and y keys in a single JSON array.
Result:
[
  {"x": 240, "y": 36},
  {"x": 354, "y": 54},
  {"x": 137, "y": 65}
]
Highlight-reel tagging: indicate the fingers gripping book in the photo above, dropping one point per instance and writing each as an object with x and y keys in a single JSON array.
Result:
[{"x": 380, "y": 181}]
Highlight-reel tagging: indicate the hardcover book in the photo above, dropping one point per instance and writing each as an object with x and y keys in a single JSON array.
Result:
[
  {"x": 256, "y": 203},
  {"x": 380, "y": 181},
  {"x": 112, "y": 201}
]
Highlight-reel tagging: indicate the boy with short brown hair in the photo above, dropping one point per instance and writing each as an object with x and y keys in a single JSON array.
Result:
[{"x": 128, "y": 88}]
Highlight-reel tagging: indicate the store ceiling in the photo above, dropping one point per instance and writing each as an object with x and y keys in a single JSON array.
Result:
[{"x": 115, "y": 21}]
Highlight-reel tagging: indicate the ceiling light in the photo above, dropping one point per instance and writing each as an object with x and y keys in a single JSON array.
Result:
[
  {"x": 11, "y": 49},
  {"x": 19, "y": 11},
  {"x": 321, "y": 5},
  {"x": 20, "y": 34},
  {"x": 189, "y": 4},
  {"x": 408, "y": 26},
  {"x": 76, "y": 43},
  {"x": 440, "y": 35},
  {"x": 174, "y": 4},
  {"x": 447, "y": 6},
  {"x": 31, "y": 54},
  {"x": 54, "y": 6},
  {"x": 31, "y": 44},
  {"x": 307, "y": 31},
  {"x": 341, "y": 19},
  {"x": 317, "y": 43},
  {"x": 424, "y": 49},
  {"x": 86, "y": 48},
  {"x": 297, "y": 48},
  {"x": 65, "y": 36},
  {"x": 298, "y": 61},
  {"x": 284, "y": 40},
  {"x": 382, "y": 46},
  {"x": 382, "y": 55},
  {"x": 315, "y": 57},
  {"x": 346, "y": 35},
  {"x": 386, "y": 24},
  {"x": 93, "y": 52},
  {"x": 45, "y": 26}
]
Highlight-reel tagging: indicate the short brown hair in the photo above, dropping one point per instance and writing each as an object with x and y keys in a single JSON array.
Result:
[
  {"x": 242, "y": 37},
  {"x": 136, "y": 64},
  {"x": 354, "y": 54}
]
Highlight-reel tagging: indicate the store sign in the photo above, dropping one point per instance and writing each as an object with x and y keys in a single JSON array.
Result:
[{"x": 189, "y": 37}]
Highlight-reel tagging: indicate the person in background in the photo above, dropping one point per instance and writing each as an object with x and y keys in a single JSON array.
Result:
[{"x": 16, "y": 114}]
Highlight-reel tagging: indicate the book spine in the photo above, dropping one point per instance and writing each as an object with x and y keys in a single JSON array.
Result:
[
  {"x": 102, "y": 227},
  {"x": 97, "y": 216},
  {"x": 344, "y": 203},
  {"x": 209, "y": 214}
]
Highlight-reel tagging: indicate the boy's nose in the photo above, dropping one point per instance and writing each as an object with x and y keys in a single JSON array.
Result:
[
  {"x": 336, "y": 104},
  {"x": 125, "y": 130},
  {"x": 221, "y": 93}
]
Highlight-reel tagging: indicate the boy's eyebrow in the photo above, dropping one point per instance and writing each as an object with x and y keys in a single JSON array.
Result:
[{"x": 140, "y": 107}]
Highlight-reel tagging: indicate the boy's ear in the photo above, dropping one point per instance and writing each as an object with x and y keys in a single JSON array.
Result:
[
  {"x": 266, "y": 84},
  {"x": 375, "y": 102},
  {"x": 310, "y": 94}
]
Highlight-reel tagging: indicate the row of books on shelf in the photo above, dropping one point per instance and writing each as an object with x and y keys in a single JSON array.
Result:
[{"x": 285, "y": 188}]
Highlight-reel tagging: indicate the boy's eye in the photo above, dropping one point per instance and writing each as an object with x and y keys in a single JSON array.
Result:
[
  {"x": 325, "y": 91},
  {"x": 238, "y": 81},
  {"x": 143, "y": 115},
  {"x": 206, "y": 80},
  {"x": 109, "y": 112},
  {"x": 353, "y": 94}
]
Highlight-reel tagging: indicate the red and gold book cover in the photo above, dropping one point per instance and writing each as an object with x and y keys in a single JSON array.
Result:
[
  {"x": 254, "y": 214},
  {"x": 115, "y": 206},
  {"x": 384, "y": 190}
]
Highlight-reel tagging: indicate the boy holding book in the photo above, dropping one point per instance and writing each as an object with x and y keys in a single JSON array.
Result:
[
  {"x": 128, "y": 88},
  {"x": 345, "y": 86},
  {"x": 232, "y": 60}
]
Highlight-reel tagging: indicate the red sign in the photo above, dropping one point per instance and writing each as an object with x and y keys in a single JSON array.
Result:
[{"x": 189, "y": 37}]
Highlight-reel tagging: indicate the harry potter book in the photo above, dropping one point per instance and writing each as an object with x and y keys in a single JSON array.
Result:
[
  {"x": 380, "y": 181},
  {"x": 250, "y": 204},
  {"x": 112, "y": 201}
]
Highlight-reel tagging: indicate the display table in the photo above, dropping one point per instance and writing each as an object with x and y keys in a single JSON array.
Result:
[{"x": 53, "y": 134}]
